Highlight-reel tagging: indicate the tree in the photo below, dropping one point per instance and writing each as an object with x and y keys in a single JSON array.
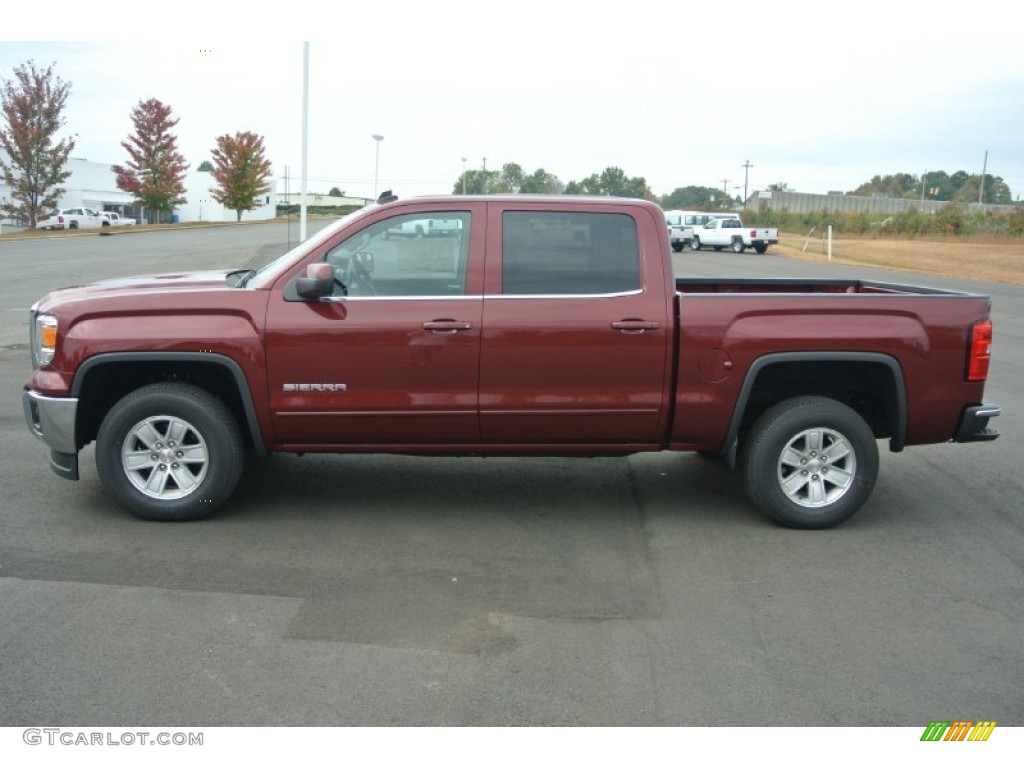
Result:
[
  {"x": 241, "y": 170},
  {"x": 540, "y": 182},
  {"x": 156, "y": 172},
  {"x": 779, "y": 186},
  {"x": 692, "y": 197},
  {"x": 33, "y": 106},
  {"x": 612, "y": 181},
  {"x": 205, "y": 167},
  {"x": 335, "y": 192}
]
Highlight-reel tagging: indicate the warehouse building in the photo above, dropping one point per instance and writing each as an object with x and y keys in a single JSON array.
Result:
[{"x": 93, "y": 185}]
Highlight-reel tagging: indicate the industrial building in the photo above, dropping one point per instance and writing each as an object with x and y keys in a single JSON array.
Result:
[{"x": 93, "y": 185}]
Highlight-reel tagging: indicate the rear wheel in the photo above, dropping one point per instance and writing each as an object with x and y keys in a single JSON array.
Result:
[
  {"x": 761, "y": 248},
  {"x": 738, "y": 246},
  {"x": 169, "y": 452},
  {"x": 73, "y": 225},
  {"x": 677, "y": 247},
  {"x": 810, "y": 462}
]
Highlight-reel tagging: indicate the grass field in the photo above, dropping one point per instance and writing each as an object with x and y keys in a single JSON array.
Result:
[{"x": 999, "y": 260}]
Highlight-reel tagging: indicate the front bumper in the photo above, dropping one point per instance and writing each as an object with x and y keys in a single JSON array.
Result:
[
  {"x": 974, "y": 424},
  {"x": 52, "y": 420}
]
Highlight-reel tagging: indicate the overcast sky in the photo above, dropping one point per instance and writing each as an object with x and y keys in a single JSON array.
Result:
[{"x": 818, "y": 95}]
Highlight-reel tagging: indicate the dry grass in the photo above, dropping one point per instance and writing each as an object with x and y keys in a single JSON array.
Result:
[{"x": 990, "y": 259}]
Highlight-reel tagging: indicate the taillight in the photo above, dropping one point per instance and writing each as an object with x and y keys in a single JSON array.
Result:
[
  {"x": 980, "y": 352},
  {"x": 753, "y": 234}
]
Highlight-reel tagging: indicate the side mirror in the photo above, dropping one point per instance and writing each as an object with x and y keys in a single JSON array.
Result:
[{"x": 318, "y": 282}]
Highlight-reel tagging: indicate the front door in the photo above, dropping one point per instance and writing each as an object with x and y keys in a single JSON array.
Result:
[{"x": 392, "y": 358}]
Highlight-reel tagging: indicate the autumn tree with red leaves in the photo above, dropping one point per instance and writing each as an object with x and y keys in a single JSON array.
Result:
[
  {"x": 155, "y": 175},
  {"x": 241, "y": 170},
  {"x": 33, "y": 106}
]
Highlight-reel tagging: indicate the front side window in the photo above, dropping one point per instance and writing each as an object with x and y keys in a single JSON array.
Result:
[
  {"x": 569, "y": 253},
  {"x": 416, "y": 254}
]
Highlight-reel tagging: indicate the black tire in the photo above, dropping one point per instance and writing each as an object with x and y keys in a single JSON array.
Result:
[
  {"x": 761, "y": 248},
  {"x": 72, "y": 225},
  {"x": 419, "y": 231},
  {"x": 738, "y": 246},
  {"x": 677, "y": 247},
  {"x": 824, "y": 436},
  {"x": 200, "y": 427},
  {"x": 695, "y": 244}
]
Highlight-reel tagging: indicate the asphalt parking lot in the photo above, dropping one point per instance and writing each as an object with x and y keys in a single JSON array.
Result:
[{"x": 376, "y": 590}]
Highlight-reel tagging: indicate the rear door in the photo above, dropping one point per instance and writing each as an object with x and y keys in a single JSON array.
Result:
[{"x": 577, "y": 330}]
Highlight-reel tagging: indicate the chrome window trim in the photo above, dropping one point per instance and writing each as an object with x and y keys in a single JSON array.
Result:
[{"x": 634, "y": 292}]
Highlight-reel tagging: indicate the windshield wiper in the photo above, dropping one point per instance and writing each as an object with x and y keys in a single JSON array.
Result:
[{"x": 246, "y": 276}]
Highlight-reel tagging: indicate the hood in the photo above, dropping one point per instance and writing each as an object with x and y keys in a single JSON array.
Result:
[{"x": 126, "y": 286}]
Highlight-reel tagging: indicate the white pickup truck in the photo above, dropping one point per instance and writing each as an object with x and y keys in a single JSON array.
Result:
[
  {"x": 730, "y": 232},
  {"x": 73, "y": 218},
  {"x": 115, "y": 219}
]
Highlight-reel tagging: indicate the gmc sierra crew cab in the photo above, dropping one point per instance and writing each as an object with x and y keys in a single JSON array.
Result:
[{"x": 545, "y": 325}]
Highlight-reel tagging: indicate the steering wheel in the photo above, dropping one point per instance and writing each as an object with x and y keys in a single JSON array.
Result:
[{"x": 360, "y": 269}]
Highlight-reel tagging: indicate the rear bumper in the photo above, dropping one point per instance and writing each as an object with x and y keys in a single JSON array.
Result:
[
  {"x": 52, "y": 420},
  {"x": 974, "y": 424}
]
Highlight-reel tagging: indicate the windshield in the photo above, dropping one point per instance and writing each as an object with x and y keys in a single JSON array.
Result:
[{"x": 267, "y": 274}]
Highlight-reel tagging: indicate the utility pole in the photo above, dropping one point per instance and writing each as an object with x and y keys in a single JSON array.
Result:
[
  {"x": 725, "y": 188},
  {"x": 746, "y": 175},
  {"x": 923, "y": 177},
  {"x": 984, "y": 168}
]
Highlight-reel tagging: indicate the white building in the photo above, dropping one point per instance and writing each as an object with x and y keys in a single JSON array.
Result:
[{"x": 93, "y": 185}]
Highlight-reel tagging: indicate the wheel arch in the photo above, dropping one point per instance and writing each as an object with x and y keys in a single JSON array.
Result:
[
  {"x": 871, "y": 383},
  {"x": 104, "y": 379}
]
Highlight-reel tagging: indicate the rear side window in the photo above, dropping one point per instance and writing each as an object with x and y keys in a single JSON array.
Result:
[{"x": 551, "y": 253}]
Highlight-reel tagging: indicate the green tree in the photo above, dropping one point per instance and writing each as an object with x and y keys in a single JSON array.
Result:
[
  {"x": 33, "y": 106},
  {"x": 540, "y": 182},
  {"x": 612, "y": 181},
  {"x": 692, "y": 197},
  {"x": 205, "y": 167},
  {"x": 780, "y": 186},
  {"x": 155, "y": 175},
  {"x": 477, "y": 182},
  {"x": 241, "y": 170},
  {"x": 335, "y": 192}
]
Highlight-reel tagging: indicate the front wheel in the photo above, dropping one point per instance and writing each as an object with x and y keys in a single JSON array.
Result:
[
  {"x": 810, "y": 462},
  {"x": 169, "y": 452},
  {"x": 695, "y": 244}
]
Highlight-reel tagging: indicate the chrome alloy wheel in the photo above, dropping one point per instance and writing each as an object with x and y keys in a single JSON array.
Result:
[
  {"x": 817, "y": 467},
  {"x": 165, "y": 457}
]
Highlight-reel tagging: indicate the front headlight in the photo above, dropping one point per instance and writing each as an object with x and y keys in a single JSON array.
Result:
[{"x": 44, "y": 339}]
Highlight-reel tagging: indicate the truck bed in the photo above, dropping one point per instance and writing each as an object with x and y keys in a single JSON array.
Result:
[{"x": 792, "y": 286}]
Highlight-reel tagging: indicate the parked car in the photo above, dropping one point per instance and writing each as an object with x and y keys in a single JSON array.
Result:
[
  {"x": 682, "y": 225},
  {"x": 74, "y": 218},
  {"x": 117, "y": 220},
  {"x": 518, "y": 338},
  {"x": 729, "y": 232}
]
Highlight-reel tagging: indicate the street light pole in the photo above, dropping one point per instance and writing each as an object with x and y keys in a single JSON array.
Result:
[
  {"x": 376, "y": 163},
  {"x": 463, "y": 175}
]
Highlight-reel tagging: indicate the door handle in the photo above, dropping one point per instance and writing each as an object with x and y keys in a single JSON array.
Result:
[
  {"x": 447, "y": 326},
  {"x": 635, "y": 326}
]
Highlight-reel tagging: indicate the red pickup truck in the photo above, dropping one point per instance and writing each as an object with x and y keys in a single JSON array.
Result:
[{"x": 538, "y": 325}]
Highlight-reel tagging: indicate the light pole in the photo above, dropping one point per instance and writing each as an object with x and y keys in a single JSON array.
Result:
[
  {"x": 376, "y": 163},
  {"x": 463, "y": 175}
]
